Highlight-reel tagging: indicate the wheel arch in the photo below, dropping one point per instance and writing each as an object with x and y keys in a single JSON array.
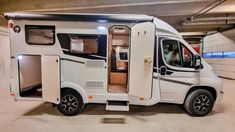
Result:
[
  {"x": 209, "y": 88},
  {"x": 77, "y": 88}
]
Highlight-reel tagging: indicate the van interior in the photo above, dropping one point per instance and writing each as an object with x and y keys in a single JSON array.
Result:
[
  {"x": 30, "y": 76},
  {"x": 119, "y": 46}
]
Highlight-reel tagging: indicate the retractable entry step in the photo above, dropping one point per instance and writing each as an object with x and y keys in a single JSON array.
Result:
[{"x": 113, "y": 105}]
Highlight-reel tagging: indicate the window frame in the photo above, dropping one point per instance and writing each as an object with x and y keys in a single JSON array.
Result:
[
  {"x": 64, "y": 41},
  {"x": 171, "y": 66},
  {"x": 39, "y": 27}
]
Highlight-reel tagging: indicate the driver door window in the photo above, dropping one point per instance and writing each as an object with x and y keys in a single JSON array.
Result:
[
  {"x": 171, "y": 52},
  {"x": 176, "y": 54},
  {"x": 187, "y": 57}
]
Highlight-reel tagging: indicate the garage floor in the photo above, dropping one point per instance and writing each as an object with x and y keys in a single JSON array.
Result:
[{"x": 41, "y": 117}]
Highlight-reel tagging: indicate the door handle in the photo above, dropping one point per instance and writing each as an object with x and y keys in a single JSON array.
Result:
[
  {"x": 148, "y": 60},
  {"x": 163, "y": 70}
]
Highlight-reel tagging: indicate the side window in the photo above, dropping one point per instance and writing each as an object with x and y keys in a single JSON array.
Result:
[
  {"x": 176, "y": 54},
  {"x": 84, "y": 45},
  {"x": 187, "y": 56},
  {"x": 40, "y": 35},
  {"x": 91, "y": 46},
  {"x": 171, "y": 52}
]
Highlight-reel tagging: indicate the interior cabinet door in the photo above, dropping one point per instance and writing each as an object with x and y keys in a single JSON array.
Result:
[
  {"x": 141, "y": 59},
  {"x": 51, "y": 78}
]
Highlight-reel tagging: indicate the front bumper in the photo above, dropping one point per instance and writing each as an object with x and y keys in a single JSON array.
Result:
[
  {"x": 219, "y": 97},
  {"x": 220, "y": 92}
]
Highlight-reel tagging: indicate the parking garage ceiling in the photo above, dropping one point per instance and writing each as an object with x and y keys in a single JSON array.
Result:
[{"x": 191, "y": 17}]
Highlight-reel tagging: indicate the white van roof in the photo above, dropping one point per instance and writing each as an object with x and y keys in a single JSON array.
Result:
[{"x": 163, "y": 29}]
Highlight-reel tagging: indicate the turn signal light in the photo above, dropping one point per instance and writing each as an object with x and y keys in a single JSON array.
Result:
[
  {"x": 12, "y": 94},
  {"x": 90, "y": 97}
]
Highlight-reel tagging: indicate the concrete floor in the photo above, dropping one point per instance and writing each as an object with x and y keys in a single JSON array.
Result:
[{"x": 41, "y": 117}]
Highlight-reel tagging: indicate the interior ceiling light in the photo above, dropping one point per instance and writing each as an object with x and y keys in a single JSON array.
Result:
[
  {"x": 19, "y": 57},
  {"x": 119, "y": 30}
]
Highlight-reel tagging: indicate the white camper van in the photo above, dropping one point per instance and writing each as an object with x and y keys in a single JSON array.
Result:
[{"x": 118, "y": 60}]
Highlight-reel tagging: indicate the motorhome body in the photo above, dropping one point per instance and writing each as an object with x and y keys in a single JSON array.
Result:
[{"x": 117, "y": 60}]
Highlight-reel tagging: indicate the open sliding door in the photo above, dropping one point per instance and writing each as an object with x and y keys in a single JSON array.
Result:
[
  {"x": 51, "y": 78},
  {"x": 141, "y": 59}
]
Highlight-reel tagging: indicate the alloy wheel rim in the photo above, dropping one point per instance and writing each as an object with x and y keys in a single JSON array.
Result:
[
  {"x": 201, "y": 103},
  {"x": 69, "y": 103}
]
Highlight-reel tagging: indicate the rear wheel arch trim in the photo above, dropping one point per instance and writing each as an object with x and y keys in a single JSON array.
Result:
[{"x": 77, "y": 88}]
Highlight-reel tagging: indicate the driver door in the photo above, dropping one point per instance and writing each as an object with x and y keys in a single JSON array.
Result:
[{"x": 176, "y": 72}]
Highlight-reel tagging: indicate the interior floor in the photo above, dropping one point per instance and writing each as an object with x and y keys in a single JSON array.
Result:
[
  {"x": 117, "y": 88},
  {"x": 33, "y": 93}
]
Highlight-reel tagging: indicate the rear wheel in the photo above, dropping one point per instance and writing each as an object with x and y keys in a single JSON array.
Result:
[
  {"x": 199, "y": 103},
  {"x": 71, "y": 102}
]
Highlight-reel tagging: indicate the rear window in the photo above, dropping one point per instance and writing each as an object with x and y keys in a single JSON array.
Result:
[{"x": 40, "y": 35}]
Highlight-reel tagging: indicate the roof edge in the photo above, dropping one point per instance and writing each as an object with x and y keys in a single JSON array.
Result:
[{"x": 78, "y": 17}]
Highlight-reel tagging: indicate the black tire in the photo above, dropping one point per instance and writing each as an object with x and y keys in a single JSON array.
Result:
[
  {"x": 199, "y": 102},
  {"x": 71, "y": 102}
]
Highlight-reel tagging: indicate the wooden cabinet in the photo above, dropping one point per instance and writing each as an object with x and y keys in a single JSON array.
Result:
[{"x": 118, "y": 78}]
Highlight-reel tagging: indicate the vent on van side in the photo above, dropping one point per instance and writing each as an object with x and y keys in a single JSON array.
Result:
[
  {"x": 95, "y": 63},
  {"x": 94, "y": 84}
]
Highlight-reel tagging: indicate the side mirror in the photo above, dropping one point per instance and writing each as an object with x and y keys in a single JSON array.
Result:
[{"x": 197, "y": 62}]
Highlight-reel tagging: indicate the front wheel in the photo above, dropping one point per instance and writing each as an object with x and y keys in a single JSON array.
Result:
[
  {"x": 71, "y": 102},
  {"x": 199, "y": 103}
]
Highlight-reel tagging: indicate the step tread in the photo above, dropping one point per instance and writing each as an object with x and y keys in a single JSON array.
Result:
[
  {"x": 114, "y": 102},
  {"x": 117, "y": 105}
]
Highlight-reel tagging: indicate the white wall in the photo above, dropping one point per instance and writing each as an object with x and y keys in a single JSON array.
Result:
[
  {"x": 221, "y": 42},
  {"x": 4, "y": 58}
]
